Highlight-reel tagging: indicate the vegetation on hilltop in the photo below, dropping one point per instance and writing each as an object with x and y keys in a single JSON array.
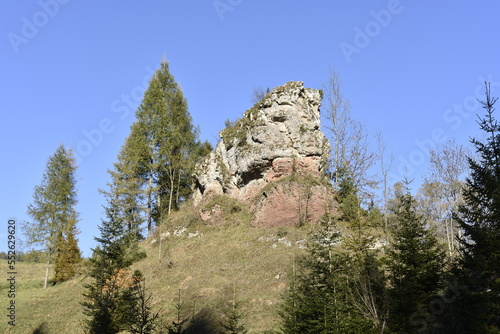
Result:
[{"x": 363, "y": 269}]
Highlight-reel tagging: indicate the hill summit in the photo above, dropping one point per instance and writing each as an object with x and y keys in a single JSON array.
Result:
[{"x": 271, "y": 160}]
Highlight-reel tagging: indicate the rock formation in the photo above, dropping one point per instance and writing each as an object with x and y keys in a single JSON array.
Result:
[{"x": 272, "y": 160}]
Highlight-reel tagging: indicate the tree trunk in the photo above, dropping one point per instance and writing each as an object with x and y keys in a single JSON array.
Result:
[
  {"x": 172, "y": 176},
  {"x": 178, "y": 186},
  {"x": 150, "y": 224},
  {"x": 46, "y": 275}
]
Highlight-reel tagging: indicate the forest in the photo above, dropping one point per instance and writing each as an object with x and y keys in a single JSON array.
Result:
[{"x": 392, "y": 259}]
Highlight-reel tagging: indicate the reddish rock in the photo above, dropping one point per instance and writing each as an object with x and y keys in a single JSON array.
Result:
[{"x": 272, "y": 160}]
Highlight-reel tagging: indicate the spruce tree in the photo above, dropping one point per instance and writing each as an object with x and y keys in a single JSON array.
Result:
[
  {"x": 415, "y": 264},
  {"x": 318, "y": 299},
  {"x": 54, "y": 214},
  {"x": 144, "y": 320},
  {"x": 478, "y": 307},
  {"x": 339, "y": 286},
  {"x": 232, "y": 321},
  {"x": 109, "y": 300}
]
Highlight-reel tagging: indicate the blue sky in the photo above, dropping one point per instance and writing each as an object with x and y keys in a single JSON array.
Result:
[{"x": 73, "y": 73}]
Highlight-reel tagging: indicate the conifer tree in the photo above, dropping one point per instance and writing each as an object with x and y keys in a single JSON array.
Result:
[
  {"x": 68, "y": 256},
  {"x": 154, "y": 171},
  {"x": 366, "y": 281},
  {"x": 318, "y": 299},
  {"x": 144, "y": 320},
  {"x": 415, "y": 263},
  {"x": 125, "y": 187},
  {"x": 478, "y": 307},
  {"x": 54, "y": 214},
  {"x": 232, "y": 322},
  {"x": 178, "y": 324},
  {"x": 109, "y": 299}
]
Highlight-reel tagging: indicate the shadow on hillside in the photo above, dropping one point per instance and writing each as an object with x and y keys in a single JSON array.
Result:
[
  {"x": 205, "y": 322},
  {"x": 41, "y": 329}
]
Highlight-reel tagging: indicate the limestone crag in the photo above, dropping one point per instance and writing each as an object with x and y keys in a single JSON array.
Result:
[{"x": 277, "y": 141}]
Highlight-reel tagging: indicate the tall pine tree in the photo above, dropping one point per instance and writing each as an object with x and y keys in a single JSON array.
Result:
[
  {"x": 54, "y": 214},
  {"x": 479, "y": 218}
]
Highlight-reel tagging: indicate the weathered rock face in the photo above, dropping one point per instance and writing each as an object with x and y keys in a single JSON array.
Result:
[{"x": 272, "y": 159}]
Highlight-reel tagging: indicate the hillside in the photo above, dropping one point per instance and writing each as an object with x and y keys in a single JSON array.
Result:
[
  {"x": 255, "y": 197},
  {"x": 208, "y": 269}
]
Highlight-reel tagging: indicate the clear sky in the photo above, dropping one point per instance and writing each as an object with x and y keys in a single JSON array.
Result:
[{"x": 73, "y": 72}]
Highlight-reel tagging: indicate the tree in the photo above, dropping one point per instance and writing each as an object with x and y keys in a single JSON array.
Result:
[
  {"x": 258, "y": 94},
  {"x": 414, "y": 261},
  {"x": 319, "y": 297},
  {"x": 232, "y": 323},
  {"x": 109, "y": 299},
  {"x": 338, "y": 115},
  {"x": 177, "y": 326},
  {"x": 440, "y": 194},
  {"x": 154, "y": 170},
  {"x": 125, "y": 186},
  {"x": 479, "y": 219},
  {"x": 67, "y": 256},
  {"x": 367, "y": 293},
  {"x": 54, "y": 214},
  {"x": 385, "y": 166},
  {"x": 144, "y": 320},
  {"x": 350, "y": 152}
]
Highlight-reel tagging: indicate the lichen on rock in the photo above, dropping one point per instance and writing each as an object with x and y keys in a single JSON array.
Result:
[{"x": 278, "y": 137}]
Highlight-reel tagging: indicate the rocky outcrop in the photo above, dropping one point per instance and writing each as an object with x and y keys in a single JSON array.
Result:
[{"x": 272, "y": 160}]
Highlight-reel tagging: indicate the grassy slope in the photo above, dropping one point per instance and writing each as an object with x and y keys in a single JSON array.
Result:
[
  {"x": 57, "y": 306},
  {"x": 208, "y": 270}
]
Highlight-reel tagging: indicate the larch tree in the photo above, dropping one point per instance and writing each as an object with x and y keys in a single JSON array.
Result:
[
  {"x": 54, "y": 215},
  {"x": 155, "y": 165},
  {"x": 125, "y": 191},
  {"x": 478, "y": 308}
]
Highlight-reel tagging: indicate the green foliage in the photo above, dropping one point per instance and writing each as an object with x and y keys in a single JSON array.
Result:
[
  {"x": 127, "y": 183},
  {"x": 319, "y": 296},
  {"x": 415, "y": 263},
  {"x": 110, "y": 300},
  {"x": 178, "y": 325},
  {"x": 236, "y": 132},
  {"x": 232, "y": 318},
  {"x": 228, "y": 210},
  {"x": 68, "y": 256},
  {"x": 479, "y": 218},
  {"x": 54, "y": 215},
  {"x": 153, "y": 174},
  {"x": 144, "y": 320}
]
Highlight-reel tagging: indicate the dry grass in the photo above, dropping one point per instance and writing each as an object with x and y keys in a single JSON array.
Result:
[
  {"x": 222, "y": 262},
  {"x": 208, "y": 269}
]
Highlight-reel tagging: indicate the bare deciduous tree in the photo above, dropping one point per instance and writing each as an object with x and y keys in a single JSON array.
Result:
[
  {"x": 385, "y": 167},
  {"x": 348, "y": 137},
  {"x": 443, "y": 189},
  {"x": 258, "y": 94}
]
